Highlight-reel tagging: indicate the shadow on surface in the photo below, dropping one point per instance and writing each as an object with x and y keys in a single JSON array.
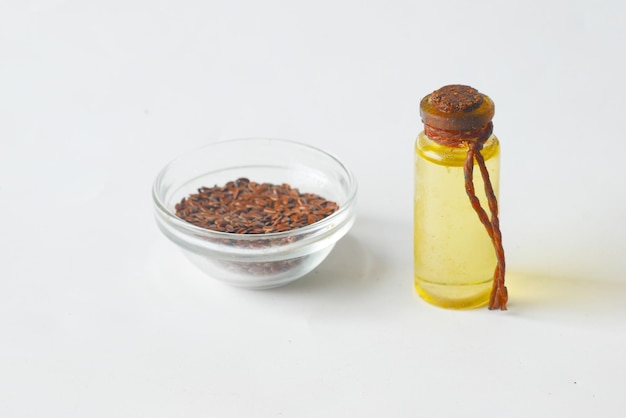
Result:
[
  {"x": 374, "y": 253},
  {"x": 563, "y": 293},
  {"x": 350, "y": 264}
]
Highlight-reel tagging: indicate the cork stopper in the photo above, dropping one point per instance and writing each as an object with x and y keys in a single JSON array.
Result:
[{"x": 457, "y": 108}]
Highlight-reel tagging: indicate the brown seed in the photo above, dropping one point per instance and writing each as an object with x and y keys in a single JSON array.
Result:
[{"x": 246, "y": 207}]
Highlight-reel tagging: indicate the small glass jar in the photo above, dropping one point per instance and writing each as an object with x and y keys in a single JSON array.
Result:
[{"x": 454, "y": 257}]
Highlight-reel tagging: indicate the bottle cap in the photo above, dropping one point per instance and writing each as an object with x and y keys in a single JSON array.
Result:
[{"x": 457, "y": 108}]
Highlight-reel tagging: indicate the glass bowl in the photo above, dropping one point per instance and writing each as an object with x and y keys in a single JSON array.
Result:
[{"x": 256, "y": 261}]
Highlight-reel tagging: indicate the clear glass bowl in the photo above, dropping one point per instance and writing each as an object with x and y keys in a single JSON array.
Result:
[{"x": 256, "y": 261}]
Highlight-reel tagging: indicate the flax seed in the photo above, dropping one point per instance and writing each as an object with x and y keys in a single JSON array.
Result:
[
  {"x": 256, "y": 208},
  {"x": 246, "y": 207}
]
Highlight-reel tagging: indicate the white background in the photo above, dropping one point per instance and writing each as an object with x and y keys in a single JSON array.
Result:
[{"x": 101, "y": 316}]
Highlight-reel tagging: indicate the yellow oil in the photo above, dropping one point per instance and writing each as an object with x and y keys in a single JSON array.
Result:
[{"x": 454, "y": 257}]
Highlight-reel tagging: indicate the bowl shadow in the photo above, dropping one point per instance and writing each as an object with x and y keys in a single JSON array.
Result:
[{"x": 349, "y": 266}]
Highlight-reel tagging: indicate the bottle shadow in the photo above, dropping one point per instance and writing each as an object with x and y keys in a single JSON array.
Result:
[{"x": 540, "y": 293}]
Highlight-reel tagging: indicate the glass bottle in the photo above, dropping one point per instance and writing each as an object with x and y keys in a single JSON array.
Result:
[{"x": 458, "y": 255}]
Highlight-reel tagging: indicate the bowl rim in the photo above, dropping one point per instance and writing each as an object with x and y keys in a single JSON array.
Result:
[{"x": 322, "y": 224}]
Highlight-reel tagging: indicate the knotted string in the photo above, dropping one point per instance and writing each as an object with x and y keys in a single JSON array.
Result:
[{"x": 474, "y": 141}]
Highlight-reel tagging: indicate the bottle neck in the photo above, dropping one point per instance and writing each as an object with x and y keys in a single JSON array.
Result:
[{"x": 457, "y": 139}]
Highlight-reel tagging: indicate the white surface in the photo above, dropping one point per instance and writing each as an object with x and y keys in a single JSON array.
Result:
[{"x": 100, "y": 316}]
